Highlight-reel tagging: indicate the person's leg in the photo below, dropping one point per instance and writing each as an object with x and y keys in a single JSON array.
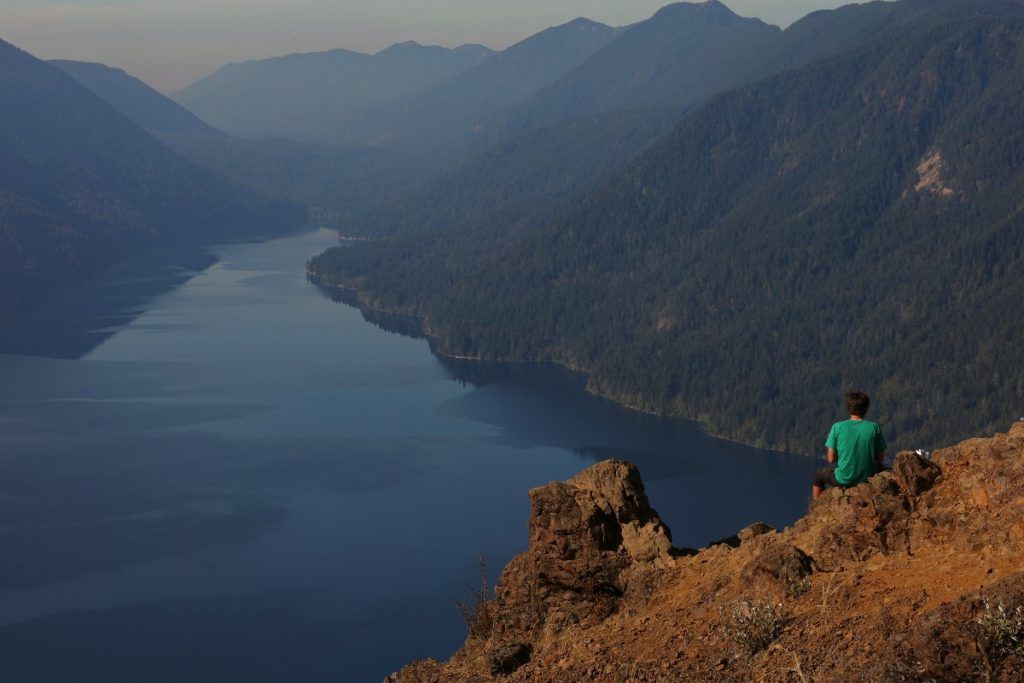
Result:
[{"x": 823, "y": 478}]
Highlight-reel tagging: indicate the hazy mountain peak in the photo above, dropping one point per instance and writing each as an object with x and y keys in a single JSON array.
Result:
[
  {"x": 411, "y": 48},
  {"x": 405, "y": 46},
  {"x": 584, "y": 23},
  {"x": 556, "y": 32},
  {"x": 472, "y": 47},
  {"x": 312, "y": 96},
  {"x": 711, "y": 12}
]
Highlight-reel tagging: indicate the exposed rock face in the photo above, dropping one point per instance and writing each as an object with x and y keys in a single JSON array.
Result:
[
  {"x": 914, "y": 474},
  {"x": 886, "y": 581},
  {"x": 589, "y": 537}
]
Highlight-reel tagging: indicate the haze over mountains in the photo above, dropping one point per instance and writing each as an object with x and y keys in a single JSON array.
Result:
[
  {"x": 82, "y": 185},
  {"x": 313, "y": 96},
  {"x": 677, "y": 207},
  {"x": 149, "y": 109}
]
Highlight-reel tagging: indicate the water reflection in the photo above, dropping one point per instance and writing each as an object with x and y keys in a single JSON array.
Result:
[
  {"x": 72, "y": 322},
  {"x": 705, "y": 488}
]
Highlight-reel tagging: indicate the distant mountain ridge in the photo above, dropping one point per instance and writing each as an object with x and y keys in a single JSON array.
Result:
[
  {"x": 557, "y": 143},
  {"x": 451, "y": 112},
  {"x": 329, "y": 180},
  {"x": 311, "y": 96},
  {"x": 679, "y": 56}
]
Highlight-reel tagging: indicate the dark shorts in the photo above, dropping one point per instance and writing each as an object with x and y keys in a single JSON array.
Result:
[{"x": 825, "y": 477}]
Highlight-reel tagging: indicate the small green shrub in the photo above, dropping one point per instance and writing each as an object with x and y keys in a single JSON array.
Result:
[
  {"x": 797, "y": 587},
  {"x": 755, "y": 625},
  {"x": 1001, "y": 630}
]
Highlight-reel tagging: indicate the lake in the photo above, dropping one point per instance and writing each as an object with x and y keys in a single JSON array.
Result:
[{"x": 211, "y": 471}]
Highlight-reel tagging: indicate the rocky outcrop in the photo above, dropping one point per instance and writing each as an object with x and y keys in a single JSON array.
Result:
[
  {"x": 915, "y": 575},
  {"x": 591, "y": 537}
]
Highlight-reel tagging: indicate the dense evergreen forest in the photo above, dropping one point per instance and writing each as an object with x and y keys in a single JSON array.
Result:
[{"x": 855, "y": 222}]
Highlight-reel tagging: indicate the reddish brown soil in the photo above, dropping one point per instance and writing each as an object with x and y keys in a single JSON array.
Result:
[{"x": 882, "y": 582}]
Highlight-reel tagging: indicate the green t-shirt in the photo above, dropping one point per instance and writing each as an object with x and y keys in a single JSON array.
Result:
[{"x": 856, "y": 443}]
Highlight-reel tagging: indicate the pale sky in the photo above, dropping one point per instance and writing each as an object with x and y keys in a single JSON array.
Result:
[{"x": 170, "y": 43}]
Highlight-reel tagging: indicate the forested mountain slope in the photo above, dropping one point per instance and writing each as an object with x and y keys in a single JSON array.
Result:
[
  {"x": 521, "y": 179},
  {"x": 684, "y": 54},
  {"x": 313, "y": 96},
  {"x": 853, "y": 223},
  {"x": 549, "y": 153},
  {"x": 81, "y": 185},
  {"x": 681, "y": 55}
]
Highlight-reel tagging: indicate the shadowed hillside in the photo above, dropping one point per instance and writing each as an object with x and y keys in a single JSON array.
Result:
[{"x": 82, "y": 185}]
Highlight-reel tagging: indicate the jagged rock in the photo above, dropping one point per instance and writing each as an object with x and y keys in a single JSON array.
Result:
[
  {"x": 744, "y": 535},
  {"x": 907, "y": 561},
  {"x": 587, "y": 536},
  {"x": 852, "y": 524},
  {"x": 505, "y": 659},
  {"x": 914, "y": 474},
  {"x": 751, "y": 532}
]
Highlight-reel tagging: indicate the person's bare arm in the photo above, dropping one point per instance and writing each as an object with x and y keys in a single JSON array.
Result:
[
  {"x": 881, "y": 459},
  {"x": 831, "y": 456}
]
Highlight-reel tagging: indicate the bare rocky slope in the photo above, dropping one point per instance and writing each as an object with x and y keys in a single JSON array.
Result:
[{"x": 915, "y": 575}]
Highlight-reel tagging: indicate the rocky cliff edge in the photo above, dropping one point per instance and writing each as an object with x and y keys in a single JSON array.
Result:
[{"x": 915, "y": 575}]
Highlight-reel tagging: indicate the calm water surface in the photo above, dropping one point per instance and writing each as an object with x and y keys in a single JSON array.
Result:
[{"x": 212, "y": 472}]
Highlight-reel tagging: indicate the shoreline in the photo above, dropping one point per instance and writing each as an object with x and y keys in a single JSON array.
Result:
[{"x": 430, "y": 336}]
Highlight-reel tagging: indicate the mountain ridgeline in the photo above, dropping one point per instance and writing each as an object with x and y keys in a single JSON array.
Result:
[
  {"x": 332, "y": 182},
  {"x": 852, "y": 222},
  {"x": 81, "y": 186},
  {"x": 313, "y": 96},
  {"x": 146, "y": 107},
  {"x": 530, "y": 157},
  {"x": 456, "y": 113}
]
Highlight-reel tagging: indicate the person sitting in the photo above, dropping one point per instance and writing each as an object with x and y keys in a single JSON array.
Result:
[{"x": 856, "y": 448}]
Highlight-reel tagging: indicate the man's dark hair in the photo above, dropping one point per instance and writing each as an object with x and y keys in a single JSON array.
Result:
[{"x": 857, "y": 403}]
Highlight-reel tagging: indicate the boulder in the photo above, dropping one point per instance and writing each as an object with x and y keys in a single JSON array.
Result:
[{"x": 780, "y": 563}]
